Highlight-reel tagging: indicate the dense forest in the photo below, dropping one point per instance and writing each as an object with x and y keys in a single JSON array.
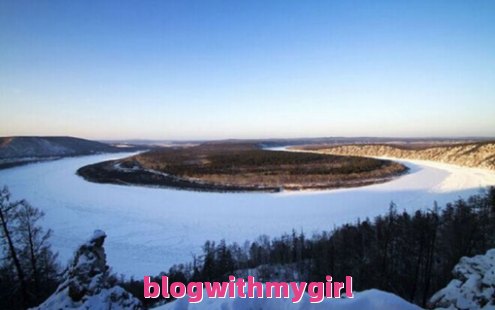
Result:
[{"x": 411, "y": 255}]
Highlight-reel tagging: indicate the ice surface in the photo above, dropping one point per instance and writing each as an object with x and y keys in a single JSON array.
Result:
[{"x": 150, "y": 228}]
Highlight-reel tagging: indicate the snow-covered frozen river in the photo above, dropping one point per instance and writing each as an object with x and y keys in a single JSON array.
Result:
[{"x": 150, "y": 229}]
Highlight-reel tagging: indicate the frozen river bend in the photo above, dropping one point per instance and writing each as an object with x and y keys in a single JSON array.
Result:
[{"x": 149, "y": 229}]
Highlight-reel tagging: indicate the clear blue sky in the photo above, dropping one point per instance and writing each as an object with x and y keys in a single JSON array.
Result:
[{"x": 247, "y": 69}]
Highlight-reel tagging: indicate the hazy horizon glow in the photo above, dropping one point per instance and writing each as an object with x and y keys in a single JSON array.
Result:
[{"x": 254, "y": 69}]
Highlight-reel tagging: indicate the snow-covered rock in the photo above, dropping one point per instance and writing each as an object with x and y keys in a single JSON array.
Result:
[
  {"x": 88, "y": 283},
  {"x": 473, "y": 286},
  {"x": 366, "y": 300}
]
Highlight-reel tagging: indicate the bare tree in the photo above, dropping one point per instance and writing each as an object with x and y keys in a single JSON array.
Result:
[
  {"x": 40, "y": 261},
  {"x": 8, "y": 219},
  {"x": 27, "y": 251}
]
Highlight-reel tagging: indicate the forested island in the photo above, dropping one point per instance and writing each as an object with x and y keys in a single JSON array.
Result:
[{"x": 231, "y": 167}]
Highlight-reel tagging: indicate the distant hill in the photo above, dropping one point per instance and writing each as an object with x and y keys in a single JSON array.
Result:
[
  {"x": 15, "y": 147},
  {"x": 277, "y": 142},
  {"x": 19, "y": 150}
]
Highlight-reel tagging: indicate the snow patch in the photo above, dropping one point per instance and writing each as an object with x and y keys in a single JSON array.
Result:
[{"x": 369, "y": 300}]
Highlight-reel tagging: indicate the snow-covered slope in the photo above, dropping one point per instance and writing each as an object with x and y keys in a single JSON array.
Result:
[
  {"x": 366, "y": 300},
  {"x": 88, "y": 283},
  {"x": 476, "y": 155},
  {"x": 473, "y": 286}
]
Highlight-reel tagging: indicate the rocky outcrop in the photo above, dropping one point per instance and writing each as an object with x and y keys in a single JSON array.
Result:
[
  {"x": 476, "y": 155},
  {"x": 473, "y": 286},
  {"x": 88, "y": 283}
]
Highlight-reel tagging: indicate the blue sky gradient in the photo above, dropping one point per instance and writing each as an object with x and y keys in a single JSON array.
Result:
[{"x": 247, "y": 69}]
